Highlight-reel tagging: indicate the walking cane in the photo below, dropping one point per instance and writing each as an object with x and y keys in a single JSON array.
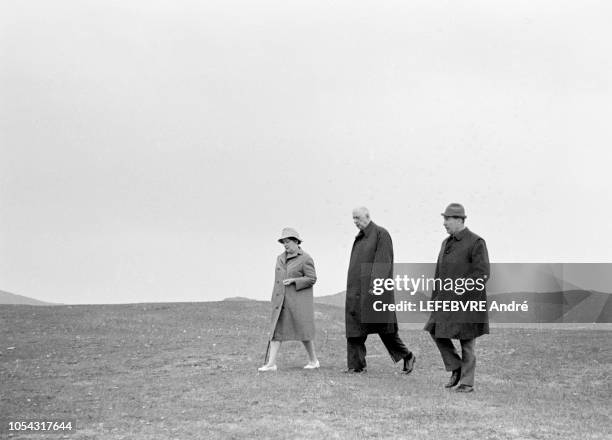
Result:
[{"x": 267, "y": 352}]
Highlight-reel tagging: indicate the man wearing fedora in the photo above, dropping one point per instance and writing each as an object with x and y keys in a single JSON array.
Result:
[
  {"x": 371, "y": 258},
  {"x": 463, "y": 256}
]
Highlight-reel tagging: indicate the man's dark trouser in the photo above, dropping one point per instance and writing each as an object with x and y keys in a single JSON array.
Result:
[
  {"x": 452, "y": 361},
  {"x": 356, "y": 349}
]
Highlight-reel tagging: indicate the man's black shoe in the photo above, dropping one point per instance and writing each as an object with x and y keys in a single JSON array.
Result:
[
  {"x": 464, "y": 389},
  {"x": 409, "y": 363},
  {"x": 454, "y": 379},
  {"x": 355, "y": 370}
]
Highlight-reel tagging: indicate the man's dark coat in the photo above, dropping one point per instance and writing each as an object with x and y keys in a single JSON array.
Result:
[
  {"x": 371, "y": 257},
  {"x": 463, "y": 255}
]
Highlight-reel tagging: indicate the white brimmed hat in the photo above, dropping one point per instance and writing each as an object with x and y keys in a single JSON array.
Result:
[{"x": 290, "y": 233}]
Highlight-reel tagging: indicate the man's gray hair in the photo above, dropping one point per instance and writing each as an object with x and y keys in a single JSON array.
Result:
[{"x": 362, "y": 210}]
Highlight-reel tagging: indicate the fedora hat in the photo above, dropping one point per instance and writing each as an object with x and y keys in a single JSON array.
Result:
[
  {"x": 290, "y": 233},
  {"x": 454, "y": 210}
]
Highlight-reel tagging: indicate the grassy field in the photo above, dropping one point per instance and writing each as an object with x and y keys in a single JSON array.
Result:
[{"x": 189, "y": 371}]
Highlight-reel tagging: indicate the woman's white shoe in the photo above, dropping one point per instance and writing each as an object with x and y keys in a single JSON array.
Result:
[
  {"x": 312, "y": 365},
  {"x": 267, "y": 368}
]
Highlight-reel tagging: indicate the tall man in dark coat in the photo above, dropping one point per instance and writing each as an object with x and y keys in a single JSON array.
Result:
[
  {"x": 463, "y": 257},
  {"x": 371, "y": 257}
]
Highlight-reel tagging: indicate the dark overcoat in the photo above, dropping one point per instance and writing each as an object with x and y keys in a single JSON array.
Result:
[
  {"x": 463, "y": 255},
  {"x": 292, "y": 305},
  {"x": 371, "y": 257}
]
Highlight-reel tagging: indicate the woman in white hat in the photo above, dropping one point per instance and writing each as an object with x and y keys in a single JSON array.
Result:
[{"x": 292, "y": 300}]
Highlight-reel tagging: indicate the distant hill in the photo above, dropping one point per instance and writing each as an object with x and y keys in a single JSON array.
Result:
[
  {"x": 239, "y": 298},
  {"x": 562, "y": 306},
  {"x": 11, "y": 298},
  {"x": 337, "y": 299}
]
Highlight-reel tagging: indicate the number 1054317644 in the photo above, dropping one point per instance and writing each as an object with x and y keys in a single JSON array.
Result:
[{"x": 29, "y": 425}]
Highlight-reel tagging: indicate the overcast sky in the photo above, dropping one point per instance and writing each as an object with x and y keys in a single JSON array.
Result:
[{"x": 154, "y": 150}]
